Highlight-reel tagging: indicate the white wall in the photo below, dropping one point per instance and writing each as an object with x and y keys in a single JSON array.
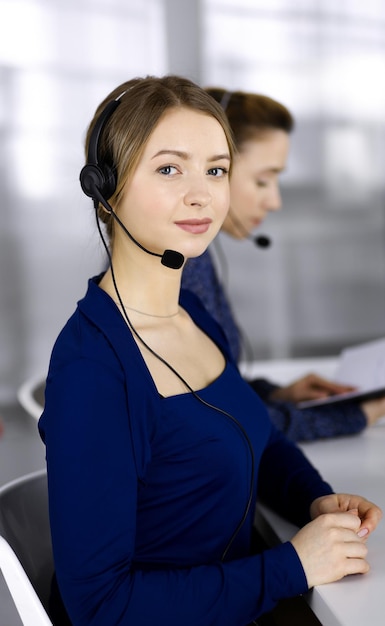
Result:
[
  {"x": 58, "y": 59},
  {"x": 322, "y": 284}
]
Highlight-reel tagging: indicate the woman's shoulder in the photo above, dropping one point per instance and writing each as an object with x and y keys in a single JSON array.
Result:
[{"x": 94, "y": 330}]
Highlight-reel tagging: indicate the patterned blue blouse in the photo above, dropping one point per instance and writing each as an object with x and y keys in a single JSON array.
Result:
[{"x": 200, "y": 277}]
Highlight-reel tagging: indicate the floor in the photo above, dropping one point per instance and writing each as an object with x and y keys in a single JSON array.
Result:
[{"x": 21, "y": 452}]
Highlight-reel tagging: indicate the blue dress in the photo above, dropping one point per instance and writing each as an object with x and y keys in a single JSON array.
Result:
[
  {"x": 152, "y": 499},
  {"x": 200, "y": 277}
]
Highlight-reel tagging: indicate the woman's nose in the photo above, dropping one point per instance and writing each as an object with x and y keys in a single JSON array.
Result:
[
  {"x": 274, "y": 201},
  {"x": 197, "y": 192}
]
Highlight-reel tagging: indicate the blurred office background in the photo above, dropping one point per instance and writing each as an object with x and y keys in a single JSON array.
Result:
[{"x": 322, "y": 283}]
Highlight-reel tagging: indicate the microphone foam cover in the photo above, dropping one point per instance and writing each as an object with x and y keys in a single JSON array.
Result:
[{"x": 172, "y": 259}]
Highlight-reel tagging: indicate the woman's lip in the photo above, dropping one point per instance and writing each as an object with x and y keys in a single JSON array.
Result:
[{"x": 196, "y": 227}]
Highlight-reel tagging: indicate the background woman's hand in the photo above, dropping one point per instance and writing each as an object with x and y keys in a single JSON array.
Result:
[
  {"x": 330, "y": 548},
  {"x": 373, "y": 409},
  {"x": 309, "y": 387}
]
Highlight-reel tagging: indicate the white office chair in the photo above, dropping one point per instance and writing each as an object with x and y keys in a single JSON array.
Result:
[
  {"x": 31, "y": 395},
  {"x": 25, "y": 546}
]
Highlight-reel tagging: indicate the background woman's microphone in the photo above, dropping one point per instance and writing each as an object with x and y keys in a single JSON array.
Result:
[{"x": 262, "y": 241}]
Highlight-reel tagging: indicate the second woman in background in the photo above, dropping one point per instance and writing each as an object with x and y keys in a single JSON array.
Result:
[{"x": 261, "y": 128}]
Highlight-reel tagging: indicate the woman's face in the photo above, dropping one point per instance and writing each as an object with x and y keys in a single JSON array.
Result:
[
  {"x": 178, "y": 195},
  {"x": 254, "y": 185}
]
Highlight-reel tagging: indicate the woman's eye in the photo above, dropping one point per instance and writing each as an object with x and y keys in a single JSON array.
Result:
[
  {"x": 167, "y": 170},
  {"x": 218, "y": 172},
  {"x": 262, "y": 183}
]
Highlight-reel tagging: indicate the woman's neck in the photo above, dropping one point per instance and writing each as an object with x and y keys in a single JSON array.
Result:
[{"x": 147, "y": 291}]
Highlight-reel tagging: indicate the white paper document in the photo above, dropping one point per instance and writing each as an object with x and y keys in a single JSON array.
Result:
[{"x": 361, "y": 366}]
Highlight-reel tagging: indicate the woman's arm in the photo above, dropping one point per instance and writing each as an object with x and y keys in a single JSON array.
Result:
[
  {"x": 288, "y": 482},
  {"x": 346, "y": 418}
]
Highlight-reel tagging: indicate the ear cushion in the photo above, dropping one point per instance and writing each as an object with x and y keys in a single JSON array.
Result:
[
  {"x": 99, "y": 179},
  {"x": 103, "y": 178}
]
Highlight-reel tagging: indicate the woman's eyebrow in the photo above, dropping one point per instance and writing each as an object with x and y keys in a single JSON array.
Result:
[
  {"x": 186, "y": 155},
  {"x": 218, "y": 157},
  {"x": 179, "y": 153}
]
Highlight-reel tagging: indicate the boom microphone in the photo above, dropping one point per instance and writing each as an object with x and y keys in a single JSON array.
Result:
[
  {"x": 170, "y": 258},
  {"x": 262, "y": 241}
]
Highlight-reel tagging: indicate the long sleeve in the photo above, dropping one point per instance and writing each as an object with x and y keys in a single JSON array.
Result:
[
  {"x": 288, "y": 482},
  {"x": 308, "y": 424}
]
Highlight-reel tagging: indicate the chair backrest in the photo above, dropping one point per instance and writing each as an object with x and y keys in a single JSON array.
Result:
[
  {"x": 31, "y": 395},
  {"x": 24, "y": 525}
]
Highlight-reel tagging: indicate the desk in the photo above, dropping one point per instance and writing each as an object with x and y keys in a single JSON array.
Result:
[
  {"x": 285, "y": 371},
  {"x": 355, "y": 465}
]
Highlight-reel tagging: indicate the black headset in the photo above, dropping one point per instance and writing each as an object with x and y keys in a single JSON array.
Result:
[{"x": 97, "y": 174}]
